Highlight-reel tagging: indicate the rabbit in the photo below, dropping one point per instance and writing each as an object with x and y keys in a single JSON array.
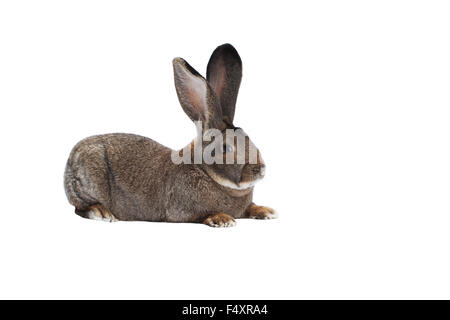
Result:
[{"x": 126, "y": 177}]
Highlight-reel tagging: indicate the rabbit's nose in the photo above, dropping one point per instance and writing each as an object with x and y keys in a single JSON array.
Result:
[
  {"x": 259, "y": 170},
  {"x": 262, "y": 172}
]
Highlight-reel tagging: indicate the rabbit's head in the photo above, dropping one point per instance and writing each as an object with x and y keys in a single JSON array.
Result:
[{"x": 234, "y": 160}]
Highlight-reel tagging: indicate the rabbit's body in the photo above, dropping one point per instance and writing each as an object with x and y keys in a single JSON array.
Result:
[
  {"x": 132, "y": 178},
  {"x": 143, "y": 184}
]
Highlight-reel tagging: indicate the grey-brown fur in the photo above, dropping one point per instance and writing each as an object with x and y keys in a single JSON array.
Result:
[{"x": 132, "y": 178}]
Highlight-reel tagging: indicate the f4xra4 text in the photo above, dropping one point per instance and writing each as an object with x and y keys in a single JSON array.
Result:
[{"x": 230, "y": 309}]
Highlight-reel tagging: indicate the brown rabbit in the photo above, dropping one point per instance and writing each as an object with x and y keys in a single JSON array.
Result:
[{"x": 132, "y": 178}]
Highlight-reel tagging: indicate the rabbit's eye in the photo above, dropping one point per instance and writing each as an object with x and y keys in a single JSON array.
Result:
[{"x": 227, "y": 148}]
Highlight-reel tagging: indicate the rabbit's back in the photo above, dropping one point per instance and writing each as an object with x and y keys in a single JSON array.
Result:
[{"x": 125, "y": 173}]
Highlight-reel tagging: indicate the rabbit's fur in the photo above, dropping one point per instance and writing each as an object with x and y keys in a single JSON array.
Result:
[{"x": 132, "y": 178}]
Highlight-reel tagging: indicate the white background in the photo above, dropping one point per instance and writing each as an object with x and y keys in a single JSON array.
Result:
[{"x": 348, "y": 102}]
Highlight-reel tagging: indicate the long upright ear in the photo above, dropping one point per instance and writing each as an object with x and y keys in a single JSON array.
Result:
[
  {"x": 224, "y": 75},
  {"x": 196, "y": 97}
]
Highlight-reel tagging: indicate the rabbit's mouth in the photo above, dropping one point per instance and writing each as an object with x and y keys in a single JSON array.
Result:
[
  {"x": 248, "y": 184},
  {"x": 249, "y": 177},
  {"x": 251, "y": 173},
  {"x": 243, "y": 185}
]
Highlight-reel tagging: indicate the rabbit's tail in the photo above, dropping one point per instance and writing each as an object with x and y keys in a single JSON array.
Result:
[{"x": 72, "y": 189}]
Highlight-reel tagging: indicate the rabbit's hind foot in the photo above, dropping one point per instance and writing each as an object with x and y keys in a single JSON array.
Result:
[
  {"x": 97, "y": 212},
  {"x": 220, "y": 220},
  {"x": 260, "y": 212}
]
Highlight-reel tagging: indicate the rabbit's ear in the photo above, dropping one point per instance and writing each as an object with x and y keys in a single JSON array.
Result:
[
  {"x": 195, "y": 95},
  {"x": 224, "y": 75}
]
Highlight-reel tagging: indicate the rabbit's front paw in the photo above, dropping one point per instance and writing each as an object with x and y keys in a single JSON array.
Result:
[
  {"x": 260, "y": 212},
  {"x": 220, "y": 220}
]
